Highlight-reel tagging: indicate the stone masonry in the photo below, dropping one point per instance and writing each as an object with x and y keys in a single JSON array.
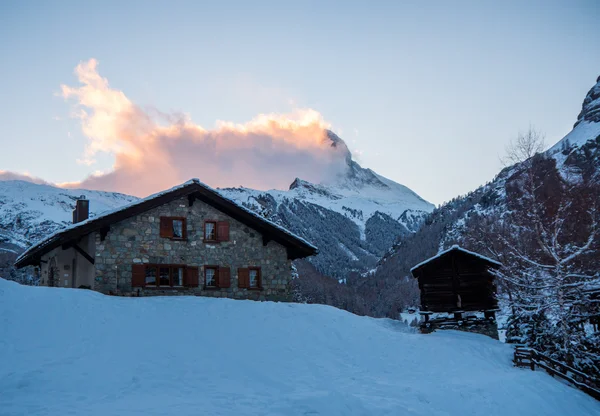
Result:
[{"x": 136, "y": 240}]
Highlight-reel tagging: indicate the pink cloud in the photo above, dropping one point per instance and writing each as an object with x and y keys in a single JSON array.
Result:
[{"x": 155, "y": 150}]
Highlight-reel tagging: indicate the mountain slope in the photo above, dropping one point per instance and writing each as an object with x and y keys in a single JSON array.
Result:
[
  {"x": 577, "y": 158},
  {"x": 30, "y": 211},
  {"x": 182, "y": 356},
  {"x": 353, "y": 218}
]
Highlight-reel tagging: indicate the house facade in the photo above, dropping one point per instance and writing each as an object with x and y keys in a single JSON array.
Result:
[{"x": 189, "y": 240}]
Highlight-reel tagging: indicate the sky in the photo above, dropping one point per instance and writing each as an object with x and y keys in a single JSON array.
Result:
[{"x": 427, "y": 94}]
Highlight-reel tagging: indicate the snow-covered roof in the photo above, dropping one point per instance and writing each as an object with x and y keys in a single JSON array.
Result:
[
  {"x": 90, "y": 224},
  {"x": 456, "y": 248}
]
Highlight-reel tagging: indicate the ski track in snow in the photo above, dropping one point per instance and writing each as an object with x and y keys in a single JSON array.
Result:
[{"x": 68, "y": 351}]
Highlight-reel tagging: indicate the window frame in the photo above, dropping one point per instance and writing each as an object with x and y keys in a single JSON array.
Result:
[
  {"x": 258, "y": 278},
  {"x": 216, "y": 238},
  {"x": 183, "y": 228},
  {"x": 171, "y": 267},
  {"x": 215, "y": 277}
]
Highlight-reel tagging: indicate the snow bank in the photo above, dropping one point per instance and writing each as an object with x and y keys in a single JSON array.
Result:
[{"x": 67, "y": 351}]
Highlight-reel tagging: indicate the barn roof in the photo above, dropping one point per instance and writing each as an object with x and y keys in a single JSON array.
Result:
[
  {"x": 491, "y": 262},
  {"x": 193, "y": 189}
]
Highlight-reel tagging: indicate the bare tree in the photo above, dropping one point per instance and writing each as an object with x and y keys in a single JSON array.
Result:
[{"x": 524, "y": 147}]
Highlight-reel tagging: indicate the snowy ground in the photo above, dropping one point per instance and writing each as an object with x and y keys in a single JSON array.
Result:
[{"x": 76, "y": 352}]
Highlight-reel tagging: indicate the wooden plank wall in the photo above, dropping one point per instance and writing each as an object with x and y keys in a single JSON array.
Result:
[{"x": 455, "y": 274}]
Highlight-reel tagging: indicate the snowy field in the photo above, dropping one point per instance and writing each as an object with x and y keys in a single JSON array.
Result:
[{"x": 76, "y": 352}]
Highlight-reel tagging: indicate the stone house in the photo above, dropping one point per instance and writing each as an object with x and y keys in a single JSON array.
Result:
[{"x": 188, "y": 240}]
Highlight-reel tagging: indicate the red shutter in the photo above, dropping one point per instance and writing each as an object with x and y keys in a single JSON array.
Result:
[
  {"x": 191, "y": 276},
  {"x": 138, "y": 275},
  {"x": 223, "y": 231},
  {"x": 258, "y": 277},
  {"x": 243, "y": 278},
  {"x": 224, "y": 277},
  {"x": 216, "y": 269},
  {"x": 166, "y": 227}
]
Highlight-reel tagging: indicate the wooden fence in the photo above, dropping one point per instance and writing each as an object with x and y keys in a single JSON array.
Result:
[{"x": 528, "y": 357}]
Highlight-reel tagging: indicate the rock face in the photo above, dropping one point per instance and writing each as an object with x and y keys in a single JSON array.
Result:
[
  {"x": 137, "y": 241},
  {"x": 590, "y": 109}
]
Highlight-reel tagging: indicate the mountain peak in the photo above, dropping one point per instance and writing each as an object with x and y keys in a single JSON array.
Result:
[
  {"x": 587, "y": 126},
  {"x": 339, "y": 144},
  {"x": 300, "y": 183},
  {"x": 590, "y": 109}
]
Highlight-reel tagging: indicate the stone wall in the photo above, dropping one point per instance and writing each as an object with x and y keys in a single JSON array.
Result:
[{"x": 136, "y": 240}]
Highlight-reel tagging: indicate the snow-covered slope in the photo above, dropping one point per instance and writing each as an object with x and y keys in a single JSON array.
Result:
[
  {"x": 100, "y": 355},
  {"x": 30, "y": 211}
]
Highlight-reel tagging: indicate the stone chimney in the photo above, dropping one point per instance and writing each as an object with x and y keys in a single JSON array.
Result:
[{"x": 82, "y": 210}]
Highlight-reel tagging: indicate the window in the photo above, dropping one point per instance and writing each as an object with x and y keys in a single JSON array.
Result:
[
  {"x": 177, "y": 228},
  {"x": 150, "y": 276},
  {"x": 210, "y": 276},
  {"x": 177, "y": 276},
  {"x": 216, "y": 231},
  {"x": 173, "y": 228},
  {"x": 210, "y": 231},
  {"x": 254, "y": 278},
  {"x": 164, "y": 275}
]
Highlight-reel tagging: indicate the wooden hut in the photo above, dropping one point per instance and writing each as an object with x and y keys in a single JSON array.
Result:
[{"x": 456, "y": 281}]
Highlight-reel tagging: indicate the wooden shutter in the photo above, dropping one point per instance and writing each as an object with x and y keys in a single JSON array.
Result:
[
  {"x": 223, "y": 231},
  {"x": 166, "y": 227},
  {"x": 184, "y": 228},
  {"x": 191, "y": 276},
  {"x": 224, "y": 277},
  {"x": 138, "y": 275},
  {"x": 243, "y": 278}
]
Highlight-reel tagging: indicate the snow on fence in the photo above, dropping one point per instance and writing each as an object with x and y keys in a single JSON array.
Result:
[{"x": 528, "y": 357}]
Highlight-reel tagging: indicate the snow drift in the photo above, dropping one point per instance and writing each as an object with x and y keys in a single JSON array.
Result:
[{"x": 67, "y": 351}]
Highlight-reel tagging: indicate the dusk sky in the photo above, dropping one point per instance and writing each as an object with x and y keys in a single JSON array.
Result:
[{"x": 427, "y": 94}]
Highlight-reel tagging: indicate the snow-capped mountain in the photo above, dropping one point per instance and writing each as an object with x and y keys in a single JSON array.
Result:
[
  {"x": 31, "y": 211},
  {"x": 579, "y": 151},
  {"x": 577, "y": 157},
  {"x": 353, "y": 218}
]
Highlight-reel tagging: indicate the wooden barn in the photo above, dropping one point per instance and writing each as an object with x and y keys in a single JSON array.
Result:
[{"x": 456, "y": 281}]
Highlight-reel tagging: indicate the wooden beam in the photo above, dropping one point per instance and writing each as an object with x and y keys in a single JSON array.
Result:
[
  {"x": 291, "y": 255},
  {"x": 191, "y": 198},
  {"x": 103, "y": 232},
  {"x": 266, "y": 239},
  {"x": 80, "y": 251},
  {"x": 456, "y": 282}
]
